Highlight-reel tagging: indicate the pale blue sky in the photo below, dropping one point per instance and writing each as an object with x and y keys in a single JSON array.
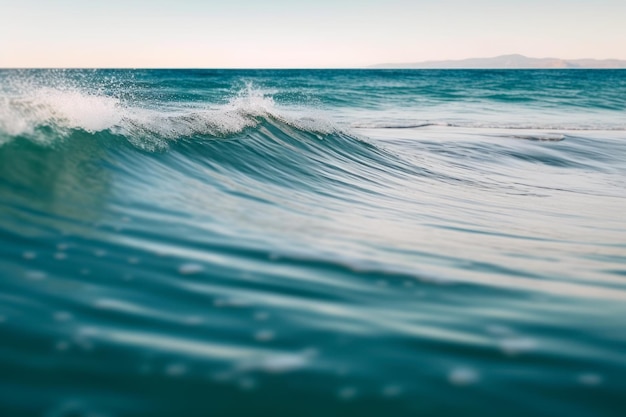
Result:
[{"x": 322, "y": 33}]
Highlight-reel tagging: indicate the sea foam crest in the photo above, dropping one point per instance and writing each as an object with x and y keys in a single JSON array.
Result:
[
  {"x": 61, "y": 110},
  {"x": 28, "y": 113}
]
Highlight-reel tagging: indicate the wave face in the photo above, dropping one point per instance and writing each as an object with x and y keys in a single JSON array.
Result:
[{"x": 195, "y": 242}]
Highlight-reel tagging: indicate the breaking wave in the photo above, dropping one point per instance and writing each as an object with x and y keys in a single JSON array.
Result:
[
  {"x": 37, "y": 112},
  {"x": 192, "y": 243}
]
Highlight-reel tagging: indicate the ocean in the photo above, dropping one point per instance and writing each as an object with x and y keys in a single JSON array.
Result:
[{"x": 312, "y": 243}]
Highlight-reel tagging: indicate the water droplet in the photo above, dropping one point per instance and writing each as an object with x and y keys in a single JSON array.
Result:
[
  {"x": 190, "y": 268},
  {"x": 63, "y": 316},
  {"x": 280, "y": 363},
  {"x": 261, "y": 315},
  {"x": 343, "y": 371},
  {"x": 463, "y": 376},
  {"x": 60, "y": 256},
  {"x": 29, "y": 255},
  {"x": 590, "y": 379},
  {"x": 62, "y": 346},
  {"x": 247, "y": 384},
  {"x": 87, "y": 331},
  {"x": 392, "y": 391},
  {"x": 499, "y": 330},
  {"x": 516, "y": 345},
  {"x": 264, "y": 335},
  {"x": 347, "y": 393},
  {"x": 36, "y": 275},
  {"x": 176, "y": 369}
]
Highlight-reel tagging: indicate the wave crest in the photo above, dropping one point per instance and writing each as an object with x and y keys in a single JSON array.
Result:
[{"x": 29, "y": 114}]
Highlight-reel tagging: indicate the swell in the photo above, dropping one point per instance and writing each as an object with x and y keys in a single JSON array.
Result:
[
  {"x": 325, "y": 197},
  {"x": 243, "y": 248}
]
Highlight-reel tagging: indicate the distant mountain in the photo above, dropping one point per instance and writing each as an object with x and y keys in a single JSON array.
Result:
[{"x": 511, "y": 61}]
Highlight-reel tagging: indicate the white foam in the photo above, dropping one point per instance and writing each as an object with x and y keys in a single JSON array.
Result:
[
  {"x": 25, "y": 114},
  {"x": 76, "y": 109},
  {"x": 65, "y": 109}
]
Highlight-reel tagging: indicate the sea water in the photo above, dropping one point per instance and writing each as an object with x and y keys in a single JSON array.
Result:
[{"x": 312, "y": 243}]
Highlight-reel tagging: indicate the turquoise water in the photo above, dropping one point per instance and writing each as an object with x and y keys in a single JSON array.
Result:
[{"x": 312, "y": 242}]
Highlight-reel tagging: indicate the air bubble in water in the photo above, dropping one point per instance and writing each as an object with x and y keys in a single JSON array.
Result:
[{"x": 463, "y": 376}]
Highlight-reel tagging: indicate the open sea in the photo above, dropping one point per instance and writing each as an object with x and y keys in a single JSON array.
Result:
[{"x": 312, "y": 243}]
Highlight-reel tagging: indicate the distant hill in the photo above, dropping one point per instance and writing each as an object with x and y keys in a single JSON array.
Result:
[{"x": 511, "y": 61}]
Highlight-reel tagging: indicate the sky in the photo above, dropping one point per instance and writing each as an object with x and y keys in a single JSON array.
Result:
[{"x": 301, "y": 34}]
